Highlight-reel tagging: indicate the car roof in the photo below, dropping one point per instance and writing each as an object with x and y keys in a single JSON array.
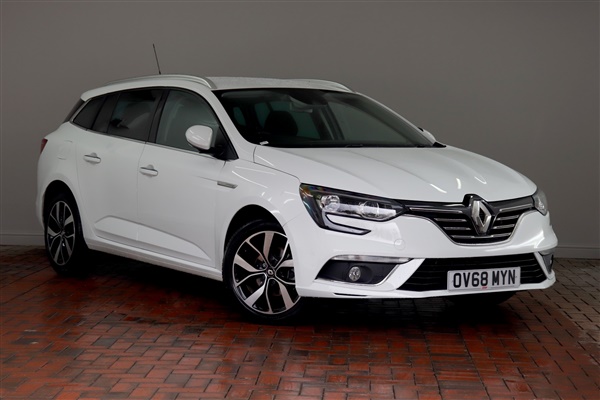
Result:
[{"x": 216, "y": 83}]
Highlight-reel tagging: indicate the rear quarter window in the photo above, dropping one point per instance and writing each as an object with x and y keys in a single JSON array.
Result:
[
  {"x": 86, "y": 117},
  {"x": 74, "y": 110},
  {"x": 103, "y": 118}
]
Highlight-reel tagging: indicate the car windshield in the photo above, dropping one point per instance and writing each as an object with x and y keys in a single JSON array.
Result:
[{"x": 316, "y": 118}]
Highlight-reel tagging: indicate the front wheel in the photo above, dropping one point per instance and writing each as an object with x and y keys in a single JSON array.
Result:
[
  {"x": 259, "y": 270},
  {"x": 63, "y": 235}
]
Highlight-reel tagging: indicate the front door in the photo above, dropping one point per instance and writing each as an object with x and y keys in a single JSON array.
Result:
[{"x": 177, "y": 186}]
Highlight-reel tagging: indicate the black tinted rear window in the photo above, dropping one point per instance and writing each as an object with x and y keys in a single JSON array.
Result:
[
  {"x": 133, "y": 114},
  {"x": 87, "y": 115},
  {"x": 101, "y": 124},
  {"x": 74, "y": 110}
]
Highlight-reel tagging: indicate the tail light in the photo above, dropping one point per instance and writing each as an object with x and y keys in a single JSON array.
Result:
[{"x": 44, "y": 141}]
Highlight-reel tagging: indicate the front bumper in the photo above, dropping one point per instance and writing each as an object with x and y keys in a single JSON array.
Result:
[{"x": 404, "y": 237}]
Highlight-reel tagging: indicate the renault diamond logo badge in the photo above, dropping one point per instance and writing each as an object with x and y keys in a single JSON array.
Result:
[{"x": 481, "y": 216}]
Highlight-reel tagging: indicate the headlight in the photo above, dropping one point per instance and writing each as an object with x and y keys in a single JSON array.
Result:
[
  {"x": 540, "y": 202},
  {"x": 321, "y": 202}
]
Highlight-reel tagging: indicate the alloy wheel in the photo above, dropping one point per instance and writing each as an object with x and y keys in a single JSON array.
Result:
[
  {"x": 263, "y": 273},
  {"x": 60, "y": 233}
]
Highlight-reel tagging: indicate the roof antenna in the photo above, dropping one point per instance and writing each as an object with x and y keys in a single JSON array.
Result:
[{"x": 156, "y": 56}]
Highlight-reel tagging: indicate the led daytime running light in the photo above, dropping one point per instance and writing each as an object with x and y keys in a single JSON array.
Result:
[{"x": 322, "y": 202}]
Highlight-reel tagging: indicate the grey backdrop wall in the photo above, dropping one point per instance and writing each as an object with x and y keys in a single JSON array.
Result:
[{"x": 518, "y": 82}]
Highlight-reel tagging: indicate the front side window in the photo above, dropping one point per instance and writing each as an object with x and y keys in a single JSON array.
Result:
[
  {"x": 132, "y": 115},
  {"x": 181, "y": 111},
  {"x": 316, "y": 118}
]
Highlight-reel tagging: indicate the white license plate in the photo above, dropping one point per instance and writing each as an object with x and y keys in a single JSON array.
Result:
[{"x": 484, "y": 279}]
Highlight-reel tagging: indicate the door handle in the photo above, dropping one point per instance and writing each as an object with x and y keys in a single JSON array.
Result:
[
  {"x": 92, "y": 158},
  {"x": 148, "y": 170}
]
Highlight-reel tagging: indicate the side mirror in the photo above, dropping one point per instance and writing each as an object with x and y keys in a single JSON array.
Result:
[
  {"x": 200, "y": 136},
  {"x": 428, "y": 135}
]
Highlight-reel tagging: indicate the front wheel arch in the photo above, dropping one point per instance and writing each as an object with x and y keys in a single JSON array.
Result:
[{"x": 244, "y": 216}]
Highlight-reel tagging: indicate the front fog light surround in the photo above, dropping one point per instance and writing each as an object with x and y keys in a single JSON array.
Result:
[
  {"x": 366, "y": 270},
  {"x": 321, "y": 202},
  {"x": 548, "y": 257}
]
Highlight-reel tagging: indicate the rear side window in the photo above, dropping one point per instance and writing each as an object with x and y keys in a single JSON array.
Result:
[
  {"x": 132, "y": 115},
  {"x": 74, "y": 110},
  {"x": 86, "y": 117},
  {"x": 103, "y": 118}
]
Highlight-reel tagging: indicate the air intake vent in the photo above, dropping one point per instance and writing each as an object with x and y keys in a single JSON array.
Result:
[{"x": 433, "y": 272}]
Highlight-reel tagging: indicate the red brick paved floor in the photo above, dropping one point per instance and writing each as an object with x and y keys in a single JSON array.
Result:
[{"x": 132, "y": 330}]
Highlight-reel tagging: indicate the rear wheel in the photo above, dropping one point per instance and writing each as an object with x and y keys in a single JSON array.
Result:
[
  {"x": 259, "y": 269},
  {"x": 63, "y": 235}
]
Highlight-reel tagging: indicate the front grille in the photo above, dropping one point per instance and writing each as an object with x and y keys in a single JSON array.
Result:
[
  {"x": 456, "y": 220},
  {"x": 433, "y": 272}
]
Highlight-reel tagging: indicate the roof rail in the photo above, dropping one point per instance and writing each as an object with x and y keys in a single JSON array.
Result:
[
  {"x": 204, "y": 81},
  {"x": 330, "y": 83}
]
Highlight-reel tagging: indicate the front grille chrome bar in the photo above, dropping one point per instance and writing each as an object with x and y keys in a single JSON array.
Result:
[{"x": 456, "y": 220}]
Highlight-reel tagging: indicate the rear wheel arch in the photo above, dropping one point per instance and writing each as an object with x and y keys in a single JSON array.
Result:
[
  {"x": 63, "y": 234},
  {"x": 52, "y": 190}
]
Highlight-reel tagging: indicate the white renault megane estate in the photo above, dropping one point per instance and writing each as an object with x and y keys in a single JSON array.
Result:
[{"x": 286, "y": 190}]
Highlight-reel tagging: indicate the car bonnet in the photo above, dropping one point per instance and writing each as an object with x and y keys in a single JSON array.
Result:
[{"x": 426, "y": 174}]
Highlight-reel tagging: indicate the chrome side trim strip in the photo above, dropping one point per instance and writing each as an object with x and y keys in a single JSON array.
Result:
[
  {"x": 227, "y": 184},
  {"x": 514, "y": 208},
  {"x": 374, "y": 259},
  {"x": 440, "y": 210},
  {"x": 500, "y": 235}
]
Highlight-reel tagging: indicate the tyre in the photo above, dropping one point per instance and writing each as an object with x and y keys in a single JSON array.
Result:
[
  {"x": 63, "y": 235},
  {"x": 258, "y": 268},
  {"x": 482, "y": 300}
]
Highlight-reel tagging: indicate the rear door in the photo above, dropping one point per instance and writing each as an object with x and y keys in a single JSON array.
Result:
[
  {"x": 107, "y": 162},
  {"x": 177, "y": 186}
]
